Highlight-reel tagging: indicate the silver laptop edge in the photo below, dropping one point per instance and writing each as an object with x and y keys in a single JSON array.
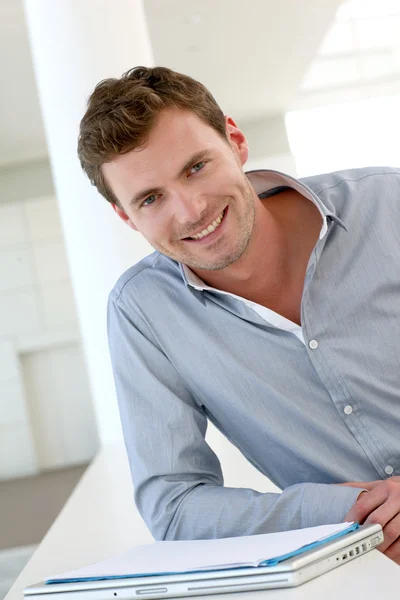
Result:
[{"x": 289, "y": 573}]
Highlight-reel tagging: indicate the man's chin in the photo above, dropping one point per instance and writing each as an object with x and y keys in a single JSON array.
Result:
[
  {"x": 216, "y": 264},
  {"x": 213, "y": 263}
]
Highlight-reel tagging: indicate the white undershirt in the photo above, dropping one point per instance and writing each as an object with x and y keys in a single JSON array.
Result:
[{"x": 269, "y": 315}]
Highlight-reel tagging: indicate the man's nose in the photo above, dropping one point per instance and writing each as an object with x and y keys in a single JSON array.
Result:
[{"x": 188, "y": 207}]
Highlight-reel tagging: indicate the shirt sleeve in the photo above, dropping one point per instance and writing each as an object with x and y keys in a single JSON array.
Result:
[{"x": 177, "y": 478}]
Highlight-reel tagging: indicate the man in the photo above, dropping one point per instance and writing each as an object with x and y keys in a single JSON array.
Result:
[{"x": 271, "y": 307}]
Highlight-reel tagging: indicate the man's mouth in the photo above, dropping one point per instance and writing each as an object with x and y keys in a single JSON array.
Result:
[{"x": 210, "y": 230}]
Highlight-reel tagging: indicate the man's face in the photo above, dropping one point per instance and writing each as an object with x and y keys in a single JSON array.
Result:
[{"x": 187, "y": 179}]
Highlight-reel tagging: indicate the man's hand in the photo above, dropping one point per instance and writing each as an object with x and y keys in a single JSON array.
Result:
[{"x": 380, "y": 504}]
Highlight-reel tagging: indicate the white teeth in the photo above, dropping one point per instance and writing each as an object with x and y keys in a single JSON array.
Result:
[{"x": 209, "y": 229}]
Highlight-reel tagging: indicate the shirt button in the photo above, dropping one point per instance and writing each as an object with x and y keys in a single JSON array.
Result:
[
  {"x": 389, "y": 469},
  {"x": 348, "y": 409},
  {"x": 313, "y": 344}
]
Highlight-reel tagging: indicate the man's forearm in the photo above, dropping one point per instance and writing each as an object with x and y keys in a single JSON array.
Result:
[
  {"x": 363, "y": 485},
  {"x": 212, "y": 511}
]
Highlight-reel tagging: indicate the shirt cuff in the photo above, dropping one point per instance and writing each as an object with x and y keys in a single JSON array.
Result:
[{"x": 326, "y": 503}]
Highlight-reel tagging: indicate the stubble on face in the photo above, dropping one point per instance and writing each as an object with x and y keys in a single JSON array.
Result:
[{"x": 223, "y": 252}]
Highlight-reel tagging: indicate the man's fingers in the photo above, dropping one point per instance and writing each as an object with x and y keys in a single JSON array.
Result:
[
  {"x": 393, "y": 552},
  {"x": 368, "y": 485},
  {"x": 366, "y": 503},
  {"x": 385, "y": 513},
  {"x": 391, "y": 532}
]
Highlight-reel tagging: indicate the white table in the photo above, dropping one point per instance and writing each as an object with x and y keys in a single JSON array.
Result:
[{"x": 100, "y": 519}]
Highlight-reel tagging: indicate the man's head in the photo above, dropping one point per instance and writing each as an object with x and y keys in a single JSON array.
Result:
[{"x": 159, "y": 149}]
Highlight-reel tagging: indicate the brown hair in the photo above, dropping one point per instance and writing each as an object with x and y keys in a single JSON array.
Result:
[{"x": 121, "y": 113}]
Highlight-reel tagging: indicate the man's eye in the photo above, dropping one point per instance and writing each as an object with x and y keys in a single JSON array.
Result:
[
  {"x": 197, "y": 167},
  {"x": 149, "y": 200}
]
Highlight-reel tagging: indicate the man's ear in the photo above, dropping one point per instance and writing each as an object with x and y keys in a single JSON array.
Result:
[
  {"x": 237, "y": 140},
  {"x": 122, "y": 215}
]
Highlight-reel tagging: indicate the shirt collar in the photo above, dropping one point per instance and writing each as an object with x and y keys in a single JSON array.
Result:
[{"x": 264, "y": 183}]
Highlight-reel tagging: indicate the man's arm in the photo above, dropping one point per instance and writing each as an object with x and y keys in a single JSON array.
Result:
[
  {"x": 177, "y": 477},
  {"x": 380, "y": 503}
]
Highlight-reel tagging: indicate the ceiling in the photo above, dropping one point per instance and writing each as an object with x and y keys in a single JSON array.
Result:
[{"x": 252, "y": 55}]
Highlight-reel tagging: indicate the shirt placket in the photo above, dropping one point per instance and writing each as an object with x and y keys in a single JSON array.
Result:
[{"x": 347, "y": 407}]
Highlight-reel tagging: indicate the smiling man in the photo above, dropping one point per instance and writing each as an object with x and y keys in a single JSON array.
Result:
[
  {"x": 271, "y": 306},
  {"x": 181, "y": 229}
]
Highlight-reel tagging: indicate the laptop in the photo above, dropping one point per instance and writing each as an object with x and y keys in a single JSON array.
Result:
[{"x": 288, "y": 573}]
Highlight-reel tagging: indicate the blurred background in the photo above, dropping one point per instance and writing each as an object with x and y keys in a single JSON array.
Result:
[{"x": 314, "y": 85}]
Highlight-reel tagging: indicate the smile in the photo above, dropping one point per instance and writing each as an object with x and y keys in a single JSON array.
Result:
[{"x": 210, "y": 229}]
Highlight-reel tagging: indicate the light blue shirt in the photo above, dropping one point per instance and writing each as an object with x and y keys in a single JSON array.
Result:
[{"x": 307, "y": 415}]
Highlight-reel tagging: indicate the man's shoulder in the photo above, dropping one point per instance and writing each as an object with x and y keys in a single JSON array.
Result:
[
  {"x": 327, "y": 181},
  {"x": 145, "y": 276},
  {"x": 355, "y": 195}
]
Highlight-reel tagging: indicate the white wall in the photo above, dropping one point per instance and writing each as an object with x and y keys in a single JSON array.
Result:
[
  {"x": 37, "y": 314},
  {"x": 61, "y": 417},
  {"x": 346, "y": 136},
  {"x": 269, "y": 145},
  {"x": 26, "y": 180}
]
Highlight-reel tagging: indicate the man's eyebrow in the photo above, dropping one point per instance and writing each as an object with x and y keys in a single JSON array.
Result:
[
  {"x": 142, "y": 194},
  {"x": 195, "y": 158}
]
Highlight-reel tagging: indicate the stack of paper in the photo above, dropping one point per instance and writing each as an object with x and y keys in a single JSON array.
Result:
[{"x": 207, "y": 555}]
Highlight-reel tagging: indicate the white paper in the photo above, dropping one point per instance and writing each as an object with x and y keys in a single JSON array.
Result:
[{"x": 203, "y": 555}]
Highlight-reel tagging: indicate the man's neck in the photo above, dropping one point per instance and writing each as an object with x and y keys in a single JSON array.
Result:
[{"x": 271, "y": 271}]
